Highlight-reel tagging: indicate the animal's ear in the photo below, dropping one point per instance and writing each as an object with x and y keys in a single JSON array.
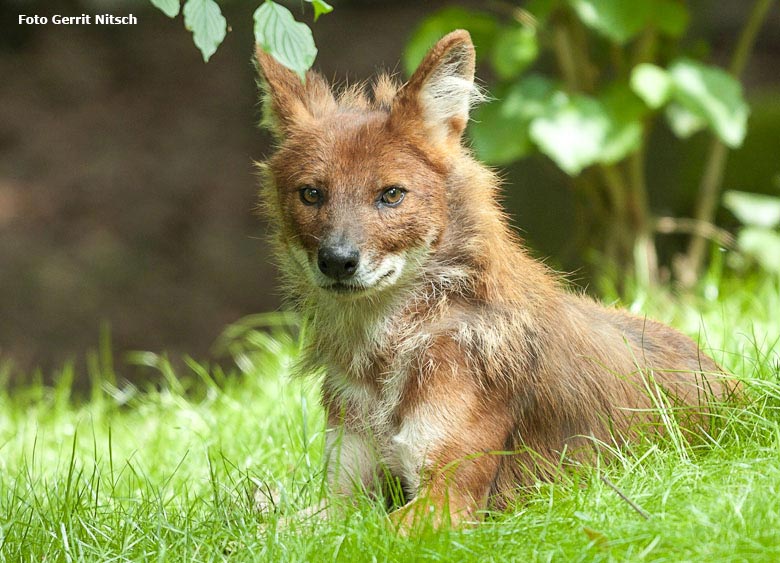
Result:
[
  {"x": 441, "y": 91},
  {"x": 287, "y": 100}
]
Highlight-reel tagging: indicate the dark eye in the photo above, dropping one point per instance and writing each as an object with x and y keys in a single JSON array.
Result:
[
  {"x": 392, "y": 196},
  {"x": 310, "y": 196}
]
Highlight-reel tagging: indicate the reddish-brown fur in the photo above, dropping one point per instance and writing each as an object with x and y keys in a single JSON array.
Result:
[{"x": 474, "y": 350}]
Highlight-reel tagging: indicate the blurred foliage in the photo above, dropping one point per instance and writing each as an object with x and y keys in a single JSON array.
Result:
[
  {"x": 619, "y": 68},
  {"x": 276, "y": 333},
  {"x": 759, "y": 238},
  {"x": 593, "y": 112}
]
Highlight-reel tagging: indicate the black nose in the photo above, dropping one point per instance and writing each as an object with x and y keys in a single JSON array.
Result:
[{"x": 339, "y": 261}]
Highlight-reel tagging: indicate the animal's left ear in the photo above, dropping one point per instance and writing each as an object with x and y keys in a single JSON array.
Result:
[
  {"x": 287, "y": 101},
  {"x": 441, "y": 90}
]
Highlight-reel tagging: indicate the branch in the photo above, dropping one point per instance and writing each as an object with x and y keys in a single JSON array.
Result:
[
  {"x": 630, "y": 502},
  {"x": 689, "y": 226}
]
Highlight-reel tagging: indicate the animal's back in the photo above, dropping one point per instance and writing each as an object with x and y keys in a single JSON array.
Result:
[{"x": 605, "y": 377}]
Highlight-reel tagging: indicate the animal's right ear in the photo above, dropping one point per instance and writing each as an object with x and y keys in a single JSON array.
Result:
[
  {"x": 441, "y": 91},
  {"x": 287, "y": 101}
]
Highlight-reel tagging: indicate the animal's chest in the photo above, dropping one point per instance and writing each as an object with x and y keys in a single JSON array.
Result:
[
  {"x": 368, "y": 380},
  {"x": 368, "y": 394},
  {"x": 393, "y": 437},
  {"x": 367, "y": 408}
]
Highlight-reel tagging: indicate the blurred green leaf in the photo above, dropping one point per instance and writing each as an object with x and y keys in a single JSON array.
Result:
[
  {"x": 682, "y": 121},
  {"x": 572, "y": 132},
  {"x": 541, "y": 9},
  {"x": 755, "y": 210},
  {"x": 761, "y": 244},
  {"x": 713, "y": 95},
  {"x": 288, "y": 41},
  {"x": 320, "y": 7},
  {"x": 499, "y": 138},
  {"x": 516, "y": 47},
  {"x": 620, "y": 21},
  {"x": 204, "y": 19},
  {"x": 701, "y": 96},
  {"x": 499, "y": 131},
  {"x": 623, "y": 138},
  {"x": 168, "y": 7},
  {"x": 670, "y": 17},
  {"x": 579, "y": 131},
  {"x": 652, "y": 84},
  {"x": 481, "y": 25},
  {"x": 617, "y": 20},
  {"x": 625, "y": 111},
  {"x": 529, "y": 97}
]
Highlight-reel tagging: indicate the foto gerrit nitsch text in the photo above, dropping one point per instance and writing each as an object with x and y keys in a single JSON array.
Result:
[{"x": 83, "y": 19}]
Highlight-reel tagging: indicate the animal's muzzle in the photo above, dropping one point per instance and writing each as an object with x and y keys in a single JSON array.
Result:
[{"x": 338, "y": 261}]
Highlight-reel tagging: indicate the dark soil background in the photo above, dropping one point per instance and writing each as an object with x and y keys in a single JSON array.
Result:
[{"x": 127, "y": 187}]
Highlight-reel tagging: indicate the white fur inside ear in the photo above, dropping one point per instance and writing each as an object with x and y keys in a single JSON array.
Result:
[{"x": 449, "y": 94}]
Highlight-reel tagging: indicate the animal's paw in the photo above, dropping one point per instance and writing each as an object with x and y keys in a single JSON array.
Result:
[{"x": 423, "y": 514}]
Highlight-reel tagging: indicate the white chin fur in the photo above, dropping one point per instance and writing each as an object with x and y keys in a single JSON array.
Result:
[{"x": 370, "y": 276}]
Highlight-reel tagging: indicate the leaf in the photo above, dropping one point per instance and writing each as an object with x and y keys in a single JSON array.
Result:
[
  {"x": 755, "y": 210},
  {"x": 670, "y": 17},
  {"x": 763, "y": 245},
  {"x": 624, "y": 135},
  {"x": 516, "y": 47},
  {"x": 499, "y": 138},
  {"x": 529, "y": 97},
  {"x": 622, "y": 140},
  {"x": 499, "y": 131},
  {"x": 701, "y": 96},
  {"x": 541, "y": 9},
  {"x": 620, "y": 21},
  {"x": 204, "y": 19},
  {"x": 617, "y": 20},
  {"x": 482, "y": 26},
  {"x": 288, "y": 41},
  {"x": 572, "y": 132},
  {"x": 579, "y": 131},
  {"x": 713, "y": 95},
  {"x": 320, "y": 7},
  {"x": 168, "y": 7},
  {"x": 682, "y": 121},
  {"x": 652, "y": 84},
  {"x": 597, "y": 538}
]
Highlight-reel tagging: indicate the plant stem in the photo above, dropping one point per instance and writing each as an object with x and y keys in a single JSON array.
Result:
[
  {"x": 712, "y": 177},
  {"x": 748, "y": 36},
  {"x": 646, "y": 47},
  {"x": 645, "y": 253},
  {"x": 616, "y": 188},
  {"x": 621, "y": 232},
  {"x": 571, "y": 52},
  {"x": 565, "y": 56}
]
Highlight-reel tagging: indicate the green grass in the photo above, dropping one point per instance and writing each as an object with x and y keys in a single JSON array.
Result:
[{"x": 167, "y": 472}]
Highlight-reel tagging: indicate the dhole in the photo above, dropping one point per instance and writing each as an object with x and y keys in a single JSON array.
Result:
[{"x": 453, "y": 361}]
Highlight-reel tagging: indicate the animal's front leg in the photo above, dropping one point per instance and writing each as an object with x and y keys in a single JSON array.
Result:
[
  {"x": 352, "y": 462},
  {"x": 449, "y": 451},
  {"x": 453, "y": 490},
  {"x": 351, "y": 469}
]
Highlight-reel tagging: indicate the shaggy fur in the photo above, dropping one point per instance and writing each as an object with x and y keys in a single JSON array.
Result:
[{"x": 453, "y": 361}]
